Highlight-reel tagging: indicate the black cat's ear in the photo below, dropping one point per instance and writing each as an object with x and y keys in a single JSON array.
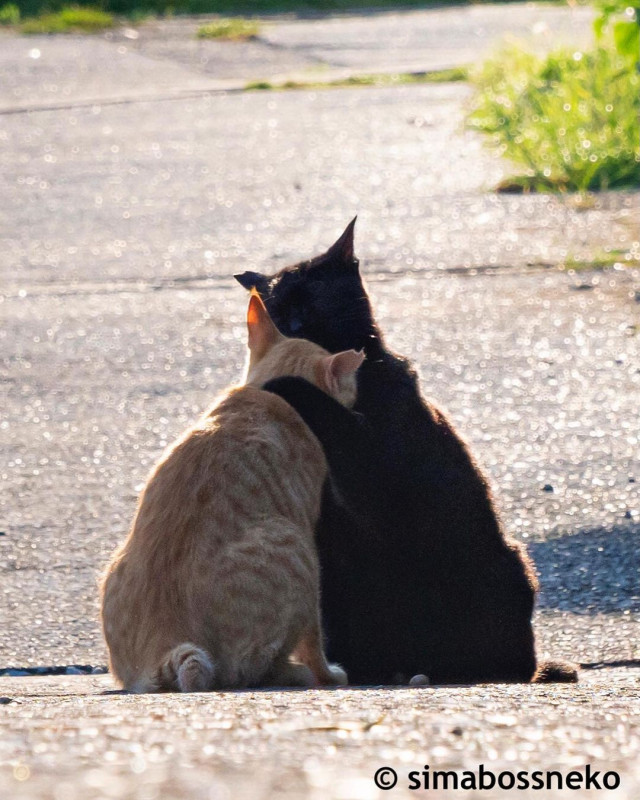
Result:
[
  {"x": 253, "y": 280},
  {"x": 342, "y": 250}
]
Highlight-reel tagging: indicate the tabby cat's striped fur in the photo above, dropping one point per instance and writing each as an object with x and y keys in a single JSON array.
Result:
[{"x": 217, "y": 585}]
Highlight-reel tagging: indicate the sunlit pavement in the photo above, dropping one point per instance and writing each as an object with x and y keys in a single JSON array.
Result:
[
  {"x": 62, "y": 738},
  {"x": 163, "y": 58},
  {"x": 122, "y": 221}
]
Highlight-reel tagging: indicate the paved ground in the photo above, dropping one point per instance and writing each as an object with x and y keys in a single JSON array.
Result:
[
  {"x": 121, "y": 226},
  {"x": 100, "y": 378},
  {"x": 64, "y": 739},
  {"x": 108, "y": 68}
]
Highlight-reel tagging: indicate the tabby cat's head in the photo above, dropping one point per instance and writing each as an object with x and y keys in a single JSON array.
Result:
[
  {"x": 272, "y": 355},
  {"x": 323, "y": 299}
]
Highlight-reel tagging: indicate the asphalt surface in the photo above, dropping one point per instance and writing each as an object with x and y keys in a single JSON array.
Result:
[
  {"x": 102, "y": 378},
  {"x": 66, "y": 739},
  {"x": 122, "y": 221},
  {"x": 43, "y": 71}
]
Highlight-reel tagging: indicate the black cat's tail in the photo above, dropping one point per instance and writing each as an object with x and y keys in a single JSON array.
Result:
[{"x": 556, "y": 672}]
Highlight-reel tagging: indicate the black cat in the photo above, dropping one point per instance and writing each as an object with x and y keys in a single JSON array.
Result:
[{"x": 417, "y": 573}]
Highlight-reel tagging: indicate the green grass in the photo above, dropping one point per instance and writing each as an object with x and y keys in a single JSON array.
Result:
[
  {"x": 378, "y": 80},
  {"x": 69, "y": 20},
  {"x": 259, "y": 7},
  {"x": 603, "y": 260},
  {"x": 570, "y": 118},
  {"x": 229, "y": 7},
  {"x": 234, "y": 29},
  {"x": 9, "y": 14}
]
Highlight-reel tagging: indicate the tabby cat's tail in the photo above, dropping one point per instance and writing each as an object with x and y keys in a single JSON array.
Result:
[
  {"x": 187, "y": 668},
  {"x": 556, "y": 672}
]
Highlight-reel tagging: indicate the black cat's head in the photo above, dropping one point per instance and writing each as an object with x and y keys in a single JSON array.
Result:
[{"x": 323, "y": 299}]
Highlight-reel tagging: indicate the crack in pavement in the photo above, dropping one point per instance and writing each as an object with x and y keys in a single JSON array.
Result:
[{"x": 126, "y": 285}]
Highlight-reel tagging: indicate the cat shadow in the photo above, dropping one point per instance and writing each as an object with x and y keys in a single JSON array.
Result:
[{"x": 592, "y": 571}]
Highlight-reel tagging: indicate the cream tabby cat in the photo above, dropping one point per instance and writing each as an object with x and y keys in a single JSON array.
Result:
[{"x": 217, "y": 585}]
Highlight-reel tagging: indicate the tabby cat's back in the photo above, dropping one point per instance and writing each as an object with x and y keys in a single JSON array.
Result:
[
  {"x": 218, "y": 583},
  {"x": 250, "y": 458},
  {"x": 278, "y": 452}
]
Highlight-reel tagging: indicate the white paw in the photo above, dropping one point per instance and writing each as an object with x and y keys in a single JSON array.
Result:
[
  {"x": 338, "y": 677},
  {"x": 419, "y": 680}
]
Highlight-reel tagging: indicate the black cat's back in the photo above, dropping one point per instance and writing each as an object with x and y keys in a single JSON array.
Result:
[
  {"x": 466, "y": 588},
  {"x": 417, "y": 574}
]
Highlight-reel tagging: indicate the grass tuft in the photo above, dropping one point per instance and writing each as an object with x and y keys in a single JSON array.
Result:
[
  {"x": 570, "y": 118},
  {"x": 378, "y": 80},
  {"x": 259, "y": 86},
  {"x": 9, "y": 14},
  {"x": 603, "y": 260},
  {"x": 69, "y": 20},
  {"x": 235, "y": 30}
]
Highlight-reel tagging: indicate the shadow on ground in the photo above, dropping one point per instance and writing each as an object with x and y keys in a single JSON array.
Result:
[{"x": 594, "y": 571}]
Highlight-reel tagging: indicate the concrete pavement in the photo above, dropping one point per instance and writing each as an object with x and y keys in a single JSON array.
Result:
[
  {"x": 164, "y": 59},
  {"x": 123, "y": 219},
  {"x": 66, "y": 740}
]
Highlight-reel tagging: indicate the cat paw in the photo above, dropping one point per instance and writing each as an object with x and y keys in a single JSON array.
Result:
[
  {"x": 337, "y": 676},
  {"x": 196, "y": 671},
  {"x": 291, "y": 674}
]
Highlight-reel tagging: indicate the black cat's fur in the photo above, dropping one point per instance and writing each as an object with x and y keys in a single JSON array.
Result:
[{"x": 417, "y": 573}]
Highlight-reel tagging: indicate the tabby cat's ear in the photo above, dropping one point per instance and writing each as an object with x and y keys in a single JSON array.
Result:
[
  {"x": 342, "y": 250},
  {"x": 339, "y": 366},
  {"x": 253, "y": 280},
  {"x": 263, "y": 334}
]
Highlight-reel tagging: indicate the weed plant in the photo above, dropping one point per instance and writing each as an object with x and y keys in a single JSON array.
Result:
[
  {"x": 9, "y": 14},
  {"x": 570, "y": 118},
  {"x": 234, "y": 29},
  {"x": 69, "y": 20}
]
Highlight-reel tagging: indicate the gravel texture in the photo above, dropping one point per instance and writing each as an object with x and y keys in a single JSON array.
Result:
[
  {"x": 198, "y": 188},
  {"x": 121, "y": 225},
  {"x": 542, "y": 379},
  {"x": 62, "y": 738}
]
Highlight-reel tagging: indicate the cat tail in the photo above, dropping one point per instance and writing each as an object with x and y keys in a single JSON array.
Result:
[
  {"x": 556, "y": 672},
  {"x": 187, "y": 668}
]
